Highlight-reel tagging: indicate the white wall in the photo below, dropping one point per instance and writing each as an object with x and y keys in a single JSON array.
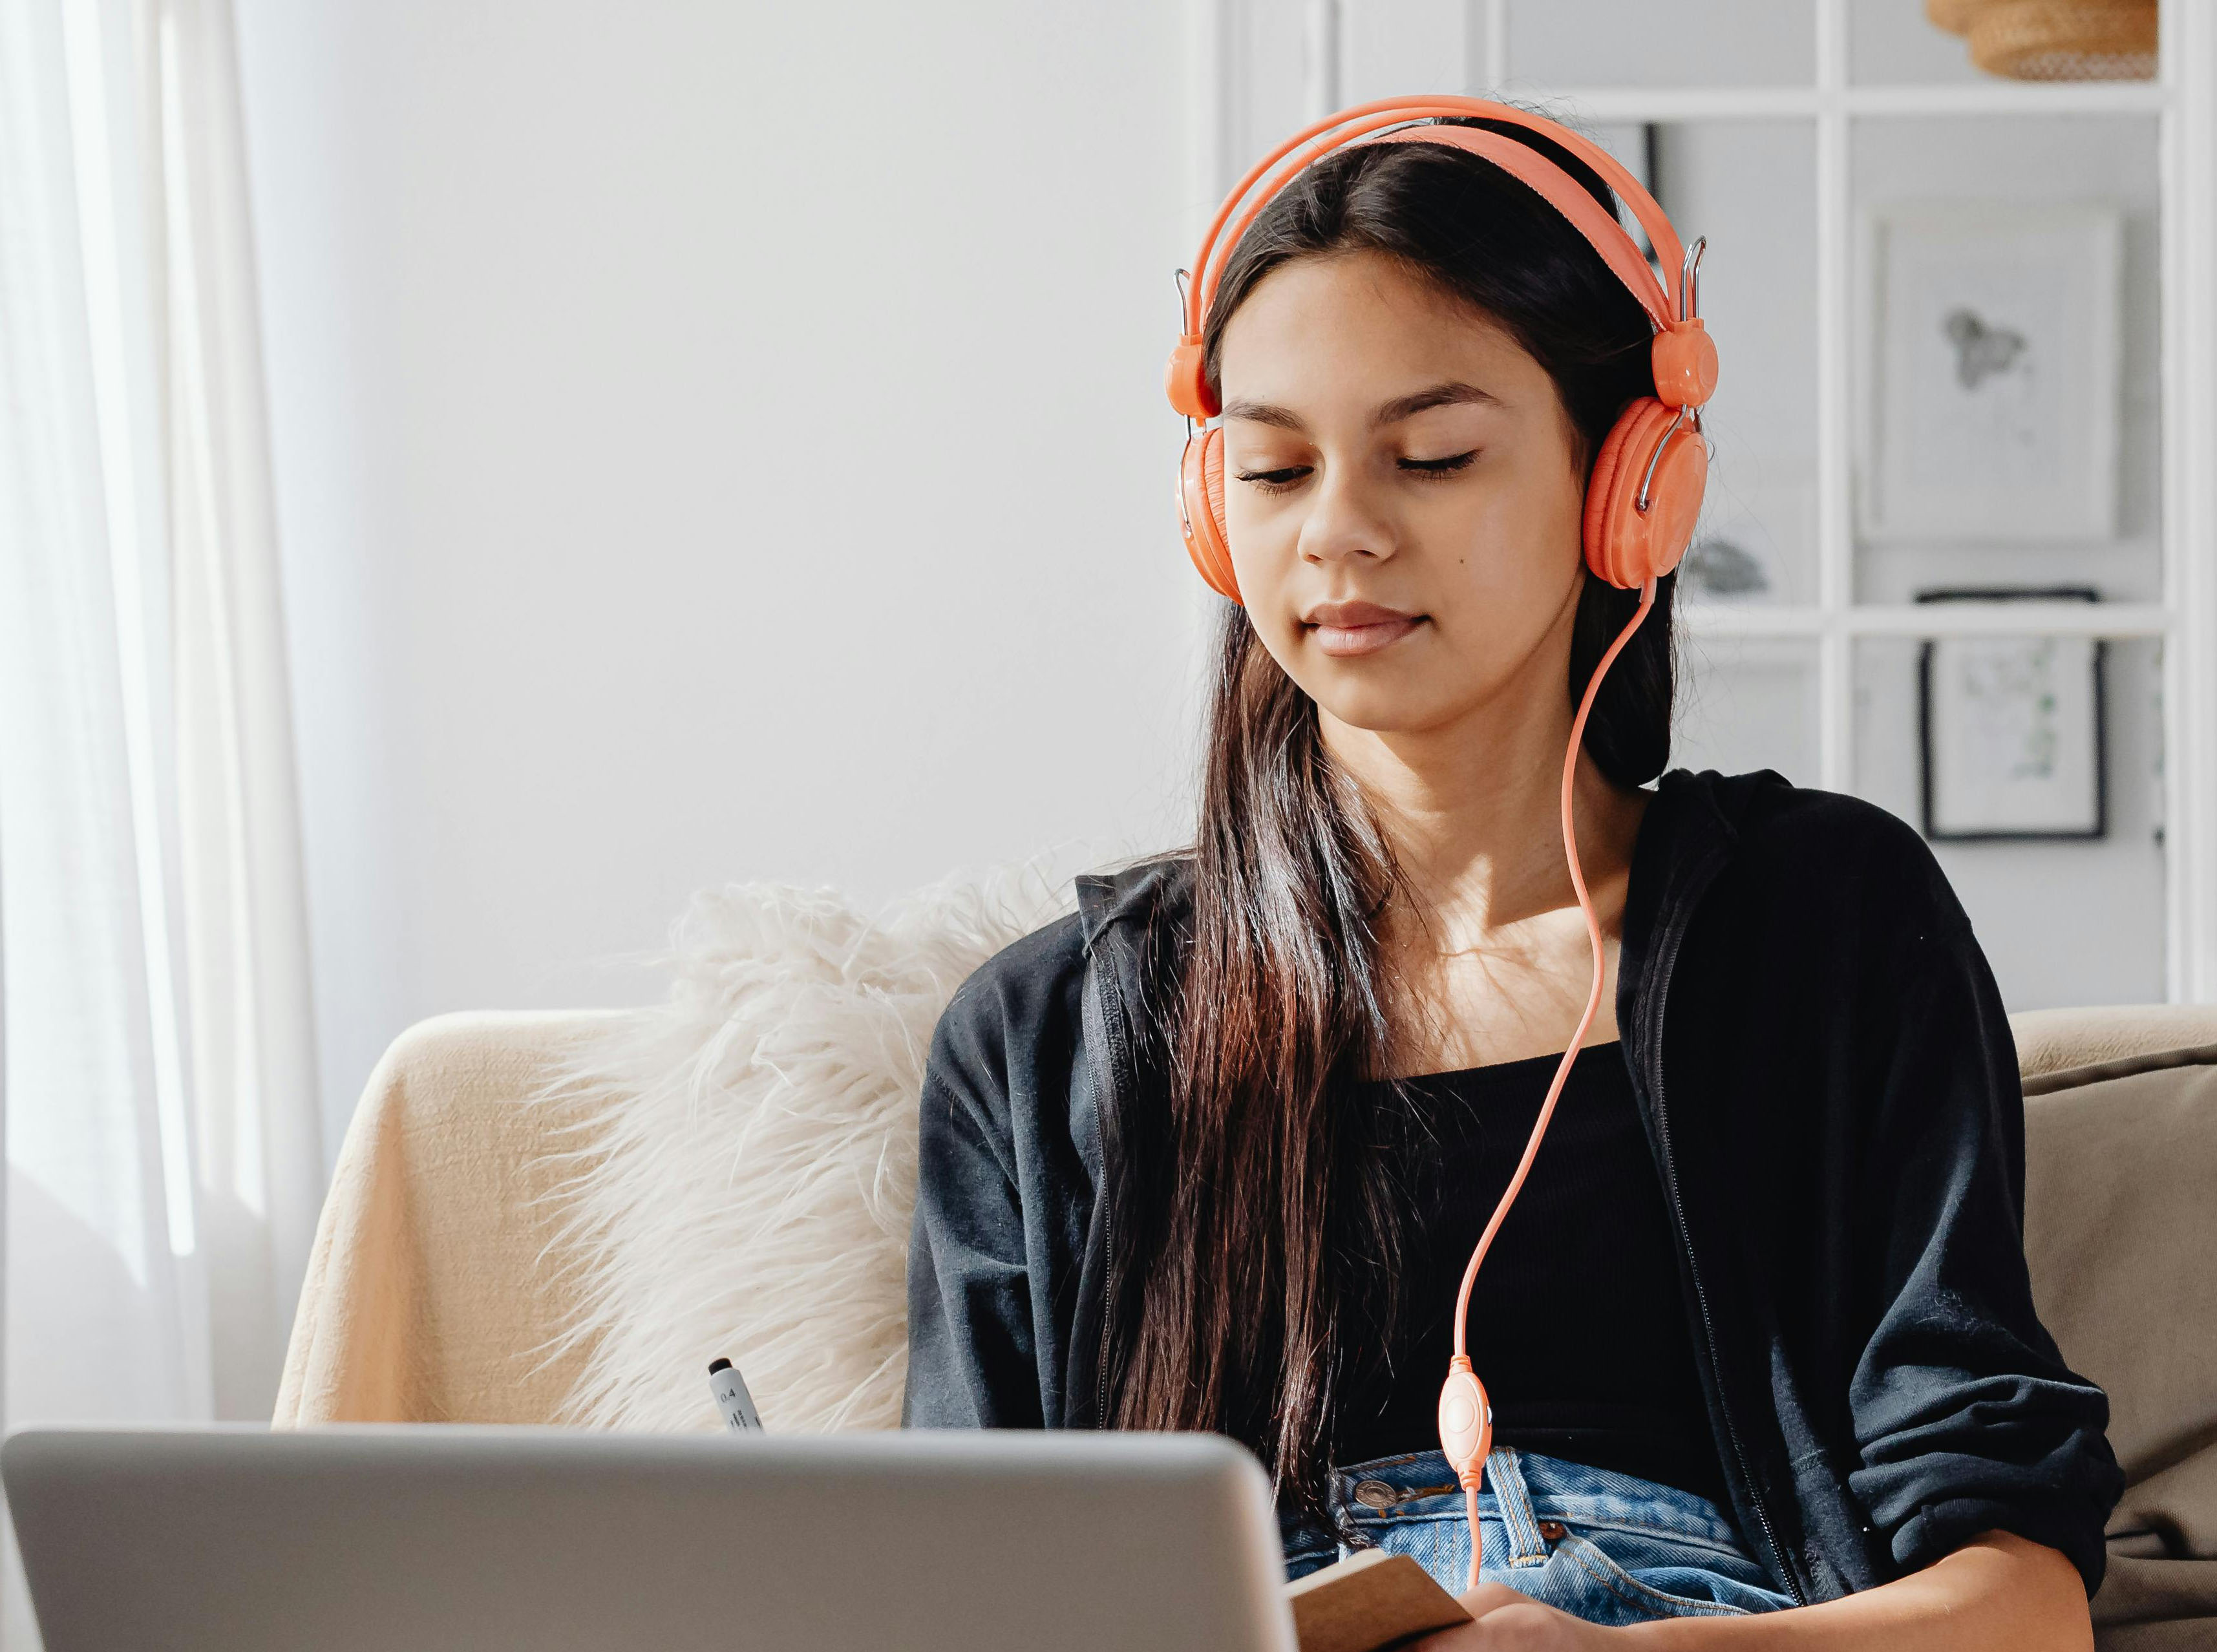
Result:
[
  {"x": 723, "y": 440},
  {"x": 714, "y": 442}
]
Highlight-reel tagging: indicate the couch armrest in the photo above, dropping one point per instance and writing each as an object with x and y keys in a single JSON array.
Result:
[
  {"x": 2054, "y": 1040},
  {"x": 432, "y": 1293}
]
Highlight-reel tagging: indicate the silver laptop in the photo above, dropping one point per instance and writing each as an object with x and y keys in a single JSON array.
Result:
[{"x": 415, "y": 1538}]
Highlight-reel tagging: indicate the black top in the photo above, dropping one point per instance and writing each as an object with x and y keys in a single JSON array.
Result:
[
  {"x": 1815, "y": 1033},
  {"x": 1577, "y": 1329}
]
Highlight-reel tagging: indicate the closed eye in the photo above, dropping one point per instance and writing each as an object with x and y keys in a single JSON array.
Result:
[
  {"x": 1274, "y": 481},
  {"x": 1440, "y": 466}
]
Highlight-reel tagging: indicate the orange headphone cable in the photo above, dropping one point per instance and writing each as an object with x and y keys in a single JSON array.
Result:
[{"x": 1470, "y": 1475}]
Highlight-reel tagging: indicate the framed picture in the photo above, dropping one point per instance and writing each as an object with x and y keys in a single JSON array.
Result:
[
  {"x": 1992, "y": 400},
  {"x": 2011, "y": 728}
]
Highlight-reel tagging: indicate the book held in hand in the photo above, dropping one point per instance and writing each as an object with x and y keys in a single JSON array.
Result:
[{"x": 1370, "y": 1599}]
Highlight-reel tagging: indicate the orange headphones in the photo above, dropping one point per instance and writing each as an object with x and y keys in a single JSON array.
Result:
[
  {"x": 1641, "y": 502},
  {"x": 1646, "y": 485}
]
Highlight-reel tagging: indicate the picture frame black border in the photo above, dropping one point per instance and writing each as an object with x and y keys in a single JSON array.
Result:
[{"x": 2005, "y": 594}]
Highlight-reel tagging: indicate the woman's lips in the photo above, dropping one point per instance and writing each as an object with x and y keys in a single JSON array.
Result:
[
  {"x": 1344, "y": 641},
  {"x": 1350, "y": 626}
]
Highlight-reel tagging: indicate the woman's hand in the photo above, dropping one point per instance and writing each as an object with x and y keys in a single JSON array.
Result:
[
  {"x": 1510, "y": 1621},
  {"x": 1998, "y": 1593}
]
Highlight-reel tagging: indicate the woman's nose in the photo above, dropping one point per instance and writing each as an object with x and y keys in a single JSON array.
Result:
[{"x": 1344, "y": 521}]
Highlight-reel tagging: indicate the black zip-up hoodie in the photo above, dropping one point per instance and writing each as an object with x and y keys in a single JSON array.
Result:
[{"x": 1830, "y": 1090}]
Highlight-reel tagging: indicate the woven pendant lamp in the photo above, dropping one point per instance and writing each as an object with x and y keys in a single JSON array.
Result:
[
  {"x": 1953, "y": 15},
  {"x": 2055, "y": 39}
]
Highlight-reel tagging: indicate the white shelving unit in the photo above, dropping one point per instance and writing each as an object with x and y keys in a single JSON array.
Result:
[{"x": 1248, "y": 55}]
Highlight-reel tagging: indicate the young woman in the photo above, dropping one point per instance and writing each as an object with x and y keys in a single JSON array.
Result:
[{"x": 1214, "y": 1152}]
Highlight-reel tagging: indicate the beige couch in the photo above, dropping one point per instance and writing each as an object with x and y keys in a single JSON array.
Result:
[{"x": 436, "y": 1286}]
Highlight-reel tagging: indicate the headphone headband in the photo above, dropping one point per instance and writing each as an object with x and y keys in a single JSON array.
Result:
[
  {"x": 1362, "y": 120},
  {"x": 1562, "y": 192},
  {"x": 1369, "y": 123}
]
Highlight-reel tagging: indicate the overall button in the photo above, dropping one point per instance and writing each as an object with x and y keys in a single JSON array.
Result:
[{"x": 1375, "y": 1494}]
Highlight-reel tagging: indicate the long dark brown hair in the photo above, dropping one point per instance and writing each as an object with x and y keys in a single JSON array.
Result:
[{"x": 1253, "y": 1238}]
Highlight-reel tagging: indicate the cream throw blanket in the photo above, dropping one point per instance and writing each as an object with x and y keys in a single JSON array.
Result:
[{"x": 565, "y": 1216}]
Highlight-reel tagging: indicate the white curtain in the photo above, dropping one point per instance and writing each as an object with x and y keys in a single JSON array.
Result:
[{"x": 163, "y": 1162}]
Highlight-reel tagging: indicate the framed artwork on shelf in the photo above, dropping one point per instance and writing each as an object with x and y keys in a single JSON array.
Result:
[
  {"x": 1992, "y": 405},
  {"x": 2010, "y": 729}
]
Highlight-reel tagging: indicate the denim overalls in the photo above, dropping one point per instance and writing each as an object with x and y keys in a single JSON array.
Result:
[{"x": 1604, "y": 1546}]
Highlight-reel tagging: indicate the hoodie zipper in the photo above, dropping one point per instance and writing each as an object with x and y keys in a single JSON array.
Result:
[
  {"x": 1104, "y": 1105},
  {"x": 1101, "y": 1385},
  {"x": 1663, "y": 967}
]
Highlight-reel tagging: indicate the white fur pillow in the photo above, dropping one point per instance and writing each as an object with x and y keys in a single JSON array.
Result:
[{"x": 745, "y": 1167}]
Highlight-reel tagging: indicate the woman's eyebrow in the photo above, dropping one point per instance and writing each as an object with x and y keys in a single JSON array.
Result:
[
  {"x": 1401, "y": 407},
  {"x": 1265, "y": 413},
  {"x": 1441, "y": 395}
]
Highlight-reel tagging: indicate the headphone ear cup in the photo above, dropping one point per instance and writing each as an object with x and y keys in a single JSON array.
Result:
[
  {"x": 1201, "y": 497},
  {"x": 1623, "y": 544}
]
